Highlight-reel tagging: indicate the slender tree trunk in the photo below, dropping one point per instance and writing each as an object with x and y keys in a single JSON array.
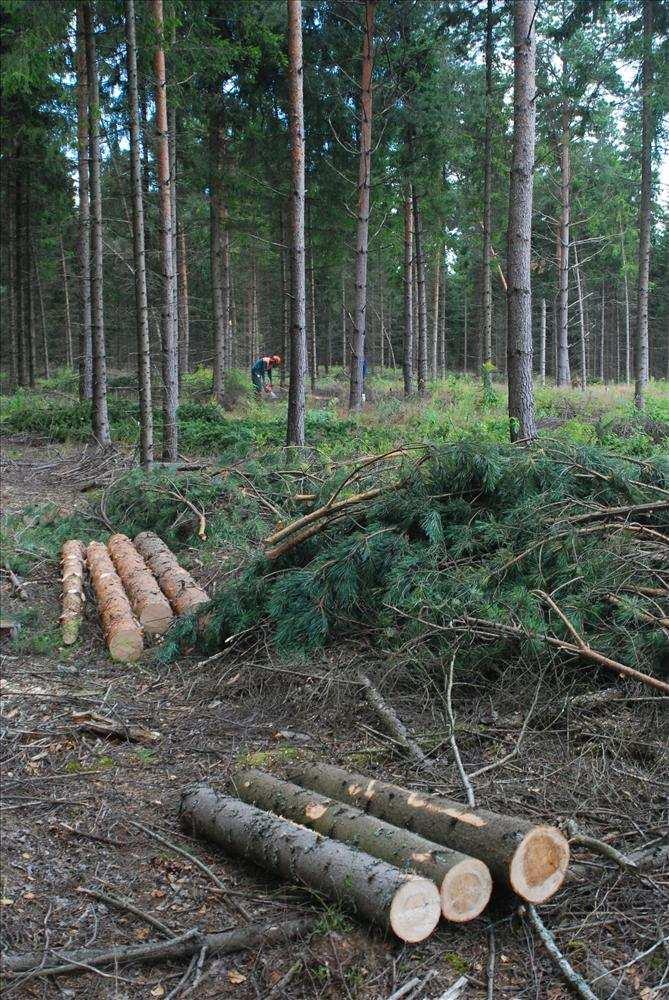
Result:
[
  {"x": 68, "y": 317},
  {"x": 139, "y": 251},
  {"x": 343, "y": 319},
  {"x": 617, "y": 308},
  {"x": 582, "y": 326},
  {"x": 217, "y": 222},
  {"x": 182, "y": 299},
  {"x": 627, "y": 313},
  {"x": 29, "y": 295},
  {"x": 40, "y": 295},
  {"x": 285, "y": 302},
  {"x": 408, "y": 296},
  {"x": 542, "y": 344},
  {"x": 21, "y": 321},
  {"x": 465, "y": 346},
  {"x": 442, "y": 323},
  {"x": 168, "y": 320},
  {"x": 434, "y": 344},
  {"x": 602, "y": 334},
  {"x": 14, "y": 293},
  {"x": 519, "y": 242},
  {"x": 312, "y": 320},
  {"x": 364, "y": 186},
  {"x": 486, "y": 338},
  {"x": 172, "y": 140},
  {"x": 563, "y": 370},
  {"x": 422, "y": 303},
  {"x": 84, "y": 215},
  {"x": 298, "y": 332},
  {"x": 645, "y": 212},
  {"x": 100, "y": 417},
  {"x": 255, "y": 331}
]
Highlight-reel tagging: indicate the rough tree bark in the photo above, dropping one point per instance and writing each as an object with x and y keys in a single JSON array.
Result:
[
  {"x": 68, "y": 316},
  {"x": 139, "y": 250},
  {"x": 464, "y": 883},
  {"x": 407, "y": 904},
  {"x": 72, "y": 561},
  {"x": 84, "y": 215},
  {"x": 486, "y": 338},
  {"x": 172, "y": 142},
  {"x": 100, "y": 417},
  {"x": 176, "y": 583},
  {"x": 147, "y": 600},
  {"x": 645, "y": 212},
  {"x": 298, "y": 332},
  {"x": 122, "y": 632},
  {"x": 216, "y": 245},
  {"x": 364, "y": 186},
  {"x": 170, "y": 358},
  {"x": 313, "y": 366},
  {"x": 408, "y": 296},
  {"x": 583, "y": 339},
  {"x": 182, "y": 298},
  {"x": 563, "y": 376},
  {"x": 532, "y": 860},
  {"x": 285, "y": 302},
  {"x": 422, "y": 304},
  {"x": 519, "y": 241}
]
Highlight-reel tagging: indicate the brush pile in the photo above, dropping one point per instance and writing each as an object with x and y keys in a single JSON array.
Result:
[{"x": 503, "y": 551}]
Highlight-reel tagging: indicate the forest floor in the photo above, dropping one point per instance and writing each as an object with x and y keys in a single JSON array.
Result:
[{"x": 70, "y": 797}]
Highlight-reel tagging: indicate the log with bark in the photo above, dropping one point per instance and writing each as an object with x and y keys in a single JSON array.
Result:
[
  {"x": 408, "y": 904},
  {"x": 73, "y": 562},
  {"x": 148, "y": 602},
  {"x": 464, "y": 883},
  {"x": 176, "y": 583},
  {"x": 122, "y": 632},
  {"x": 531, "y": 860}
]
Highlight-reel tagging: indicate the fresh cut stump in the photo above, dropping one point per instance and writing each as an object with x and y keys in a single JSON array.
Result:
[
  {"x": 122, "y": 632},
  {"x": 146, "y": 598},
  {"x": 176, "y": 583},
  {"x": 464, "y": 883},
  {"x": 531, "y": 860},
  {"x": 406, "y": 903},
  {"x": 72, "y": 561}
]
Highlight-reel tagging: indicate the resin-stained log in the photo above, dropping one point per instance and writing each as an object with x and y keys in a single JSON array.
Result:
[
  {"x": 72, "y": 561},
  {"x": 464, "y": 883},
  {"x": 176, "y": 583},
  {"x": 146, "y": 598},
  {"x": 406, "y": 903},
  {"x": 122, "y": 632},
  {"x": 531, "y": 860}
]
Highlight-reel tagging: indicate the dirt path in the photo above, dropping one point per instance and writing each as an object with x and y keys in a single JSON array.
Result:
[{"x": 68, "y": 798}]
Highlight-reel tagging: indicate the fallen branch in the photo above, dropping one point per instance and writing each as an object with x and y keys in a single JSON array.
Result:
[
  {"x": 390, "y": 720},
  {"x": 95, "y": 723},
  {"x": 598, "y": 846},
  {"x": 641, "y": 508},
  {"x": 466, "y": 783},
  {"x": 187, "y": 944},
  {"x": 124, "y": 904},
  {"x": 573, "y": 978}
]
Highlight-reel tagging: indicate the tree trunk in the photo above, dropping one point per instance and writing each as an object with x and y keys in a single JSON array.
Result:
[
  {"x": 122, "y": 633},
  {"x": 408, "y": 296},
  {"x": 343, "y": 320},
  {"x": 602, "y": 333},
  {"x": 216, "y": 215},
  {"x": 532, "y": 860},
  {"x": 627, "y": 313},
  {"x": 184, "y": 318},
  {"x": 563, "y": 370},
  {"x": 172, "y": 140},
  {"x": 148, "y": 602},
  {"x": 168, "y": 320},
  {"x": 28, "y": 291},
  {"x": 176, "y": 583},
  {"x": 84, "y": 214},
  {"x": 519, "y": 241},
  {"x": 442, "y": 322},
  {"x": 139, "y": 251},
  {"x": 312, "y": 320},
  {"x": 100, "y": 418},
  {"x": 542, "y": 343},
  {"x": 14, "y": 291},
  {"x": 465, "y": 346},
  {"x": 435, "y": 318},
  {"x": 364, "y": 185},
  {"x": 298, "y": 332},
  {"x": 285, "y": 303},
  {"x": 40, "y": 295},
  {"x": 487, "y": 203},
  {"x": 581, "y": 320},
  {"x": 68, "y": 317},
  {"x": 464, "y": 883},
  {"x": 21, "y": 320},
  {"x": 645, "y": 212},
  {"x": 72, "y": 562},
  {"x": 407, "y": 904},
  {"x": 422, "y": 304}
]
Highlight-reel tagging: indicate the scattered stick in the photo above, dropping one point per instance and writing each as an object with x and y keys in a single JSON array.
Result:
[
  {"x": 124, "y": 904},
  {"x": 466, "y": 783},
  {"x": 95, "y": 723},
  {"x": 645, "y": 616},
  {"x": 18, "y": 585},
  {"x": 573, "y": 978},
  {"x": 391, "y": 721},
  {"x": 641, "y": 508},
  {"x": 490, "y": 968},
  {"x": 403, "y": 991},
  {"x": 455, "y": 991},
  {"x": 598, "y": 846},
  {"x": 513, "y": 753},
  {"x": 278, "y": 988}
]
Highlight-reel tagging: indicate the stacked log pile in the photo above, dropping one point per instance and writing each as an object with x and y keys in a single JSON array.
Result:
[
  {"x": 392, "y": 855},
  {"x": 134, "y": 599}
]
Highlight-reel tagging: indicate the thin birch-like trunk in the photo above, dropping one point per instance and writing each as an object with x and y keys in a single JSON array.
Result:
[
  {"x": 422, "y": 304},
  {"x": 641, "y": 351},
  {"x": 408, "y": 296},
  {"x": 85, "y": 359},
  {"x": 68, "y": 316}
]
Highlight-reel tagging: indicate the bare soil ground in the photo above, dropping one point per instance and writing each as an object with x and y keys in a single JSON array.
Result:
[{"x": 69, "y": 797}]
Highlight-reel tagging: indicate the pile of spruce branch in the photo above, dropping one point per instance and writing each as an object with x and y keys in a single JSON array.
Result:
[{"x": 504, "y": 551}]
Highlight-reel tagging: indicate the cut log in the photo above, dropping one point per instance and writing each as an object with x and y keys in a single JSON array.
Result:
[
  {"x": 531, "y": 860},
  {"x": 176, "y": 583},
  {"x": 147, "y": 600},
  {"x": 464, "y": 883},
  {"x": 408, "y": 904},
  {"x": 72, "y": 561},
  {"x": 122, "y": 631}
]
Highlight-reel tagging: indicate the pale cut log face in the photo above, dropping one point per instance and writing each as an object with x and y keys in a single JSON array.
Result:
[
  {"x": 466, "y": 891},
  {"x": 540, "y": 864},
  {"x": 415, "y": 910}
]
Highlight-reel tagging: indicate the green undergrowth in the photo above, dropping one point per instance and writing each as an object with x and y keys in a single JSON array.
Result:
[{"x": 474, "y": 531}]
